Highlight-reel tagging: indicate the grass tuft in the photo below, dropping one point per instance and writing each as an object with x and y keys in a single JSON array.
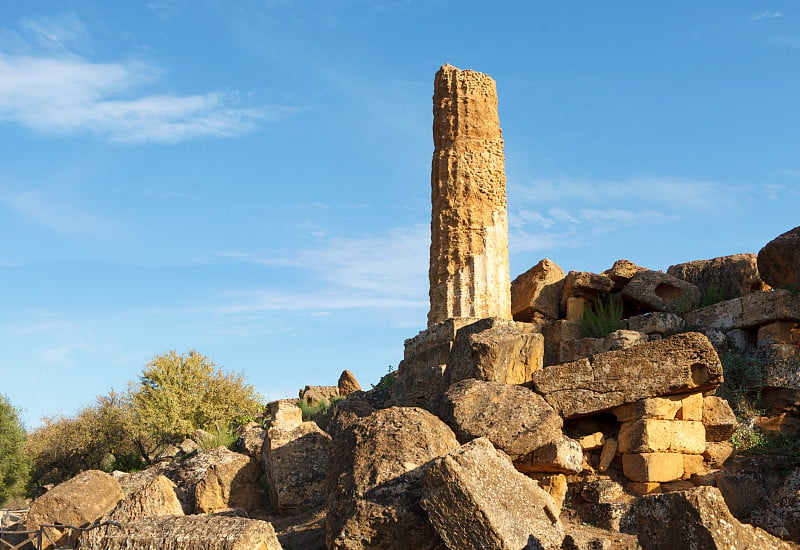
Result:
[{"x": 601, "y": 317}]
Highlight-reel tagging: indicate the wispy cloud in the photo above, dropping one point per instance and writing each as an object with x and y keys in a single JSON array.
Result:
[
  {"x": 50, "y": 89},
  {"x": 54, "y": 211},
  {"x": 766, "y": 14}
]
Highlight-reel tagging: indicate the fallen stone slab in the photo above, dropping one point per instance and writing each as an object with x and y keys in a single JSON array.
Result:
[
  {"x": 563, "y": 455},
  {"x": 684, "y": 363},
  {"x": 779, "y": 260},
  {"x": 514, "y": 418},
  {"x": 657, "y": 291},
  {"x": 537, "y": 292},
  {"x": 77, "y": 502},
  {"x": 190, "y": 533},
  {"x": 375, "y": 479},
  {"x": 726, "y": 277},
  {"x": 622, "y": 272},
  {"x": 718, "y": 418},
  {"x": 696, "y": 518},
  {"x": 476, "y": 499}
]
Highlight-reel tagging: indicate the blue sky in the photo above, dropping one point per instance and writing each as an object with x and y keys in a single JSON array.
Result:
[{"x": 252, "y": 179}]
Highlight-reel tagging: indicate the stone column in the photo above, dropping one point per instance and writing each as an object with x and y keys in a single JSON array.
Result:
[{"x": 469, "y": 274}]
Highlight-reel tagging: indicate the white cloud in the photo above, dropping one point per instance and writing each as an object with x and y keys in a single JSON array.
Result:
[
  {"x": 56, "y": 91},
  {"x": 766, "y": 14},
  {"x": 53, "y": 211}
]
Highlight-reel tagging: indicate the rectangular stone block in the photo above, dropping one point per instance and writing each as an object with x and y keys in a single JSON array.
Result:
[
  {"x": 652, "y": 467},
  {"x": 664, "y": 408},
  {"x": 661, "y": 436},
  {"x": 691, "y": 408},
  {"x": 723, "y": 316},
  {"x": 779, "y": 332},
  {"x": 644, "y": 488},
  {"x": 694, "y": 465},
  {"x": 760, "y": 308}
]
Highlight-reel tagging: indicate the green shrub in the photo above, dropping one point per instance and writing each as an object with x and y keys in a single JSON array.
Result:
[
  {"x": 321, "y": 413},
  {"x": 14, "y": 462},
  {"x": 220, "y": 437},
  {"x": 744, "y": 377},
  {"x": 384, "y": 386},
  {"x": 601, "y": 317},
  {"x": 711, "y": 295}
]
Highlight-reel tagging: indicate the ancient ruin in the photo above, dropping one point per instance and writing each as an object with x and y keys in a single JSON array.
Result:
[
  {"x": 469, "y": 274},
  {"x": 538, "y": 431}
]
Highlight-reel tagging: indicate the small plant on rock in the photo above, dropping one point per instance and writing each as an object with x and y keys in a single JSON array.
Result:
[
  {"x": 602, "y": 317},
  {"x": 743, "y": 380}
]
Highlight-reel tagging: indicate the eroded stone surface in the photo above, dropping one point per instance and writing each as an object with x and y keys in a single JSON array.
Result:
[
  {"x": 537, "y": 292},
  {"x": 469, "y": 274},
  {"x": 779, "y": 260},
  {"x": 727, "y": 276},
  {"x": 658, "y": 291}
]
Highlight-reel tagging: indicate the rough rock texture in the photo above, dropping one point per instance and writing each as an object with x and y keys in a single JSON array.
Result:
[
  {"x": 718, "y": 418},
  {"x": 563, "y": 455},
  {"x": 697, "y": 518},
  {"x": 717, "y": 452},
  {"x": 314, "y": 395},
  {"x": 515, "y": 419},
  {"x": 754, "y": 309},
  {"x": 295, "y": 461},
  {"x": 375, "y": 483},
  {"x": 782, "y": 367},
  {"x": 284, "y": 410},
  {"x": 657, "y": 322},
  {"x": 537, "y": 292},
  {"x": 585, "y": 537},
  {"x": 662, "y": 436},
  {"x": 229, "y": 482},
  {"x": 251, "y": 440},
  {"x": 572, "y": 350},
  {"x": 657, "y": 291},
  {"x": 622, "y": 272},
  {"x": 680, "y": 364},
  {"x": 191, "y": 533},
  {"x": 469, "y": 274},
  {"x": 781, "y": 515},
  {"x": 347, "y": 383},
  {"x": 585, "y": 285},
  {"x": 77, "y": 502},
  {"x": 495, "y": 350},
  {"x": 556, "y": 334},
  {"x": 779, "y": 260},
  {"x": 728, "y": 276},
  {"x": 419, "y": 375},
  {"x": 475, "y": 499}
]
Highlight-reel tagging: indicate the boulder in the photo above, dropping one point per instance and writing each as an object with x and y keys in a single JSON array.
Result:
[
  {"x": 779, "y": 332},
  {"x": 561, "y": 456},
  {"x": 537, "y": 292},
  {"x": 657, "y": 291},
  {"x": 231, "y": 481},
  {"x": 622, "y": 272},
  {"x": 753, "y": 310},
  {"x": 718, "y": 418},
  {"x": 556, "y": 333},
  {"x": 476, "y": 499},
  {"x": 696, "y": 518},
  {"x": 495, "y": 350},
  {"x": 375, "y": 479},
  {"x": 684, "y": 363},
  {"x": 77, "y": 502},
  {"x": 190, "y": 533},
  {"x": 779, "y": 260},
  {"x": 515, "y": 419},
  {"x": 781, "y": 515},
  {"x": 347, "y": 383},
  {"x": 781, "y": 368},
  {"x": 251, "y": 440},
  {"x": 585, "y": 285},
  {"x": 284, "y": 411},
  {"x": 587, "y": 537},
  {"x": 572, "y": 350},
  {"x": 722, "y": 278},
  {"x": 314, "y": 395},
  {"x": 295, "y": 461},
  {"x": 717, "y": 452},
  {"x": 657, "y": 322}
]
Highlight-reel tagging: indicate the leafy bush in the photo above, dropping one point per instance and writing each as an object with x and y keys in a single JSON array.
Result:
[
  {"x": 601, "y": 317},
  {"x": 224, "y": 437},
  {"x": 744, "y": 377},
  {"x": 14, "y": 463}
]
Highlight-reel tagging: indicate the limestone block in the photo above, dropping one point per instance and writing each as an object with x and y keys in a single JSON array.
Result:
[
  {"x": 285, "y": 412},
  {"x": 622, "y": 272},
  {"x": 347, "y": 383},
  {"x": 684, "y": 363},
  {"x": 555, "y": 485},
  {"x": 760, "y": 308},
  {"x": 644, "y": 488},
  {"x": 591, "y": 441},
  {"x": 662, "y": 436},
  {"x": 190, "y": 533},
  {"x": 657, "y": 322},
  {"x": 537, "y": 292},
  {"x": 515, "y": 419},
  {"x": 562, "y": 456},
  {"x": 691, "y": 407},
  {"x": 586, "y": 285},
  {"x": 722, "y": 316},
  {"x": 658, "y": 291},
  {"x": 78, "y": 501},
  {"x": 779, "y": 332},
  {"x": 717, "y": 452},
  {"x": 729, "y": 276},
  {"x": 495, "y": 350},
  {"x": 469, "y": 274},
  {"x": 251, "y": 440},
  {"x": 475, "y": 499},
  {"x": 664, "y": 408},
  {"x": 601, "y": 490},
  {"x": 375, "y": 479},
  {"x": 718, "y": 418},
  {"x": 779, "y": 260},
  {"x": 576, "y": 305},
  {"x": 694, "y": 465},
  {"x": 574, "y": 350},
  {"x": 230, "y": 482},
  {"x": 782, "y": 370},
  {"x": 740, "y": 340},
  {"x": 610, "y": 447},
  {"x": 650, "y": 467},
  {"x": 696, "y": 518},
  {"x": 677, "y": 485},
  {"x": 314, "y": 395},
  {"x": 295, "y": 459},
  {"x": 555, "y": 333}
]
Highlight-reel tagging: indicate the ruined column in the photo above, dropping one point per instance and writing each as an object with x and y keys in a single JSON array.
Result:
[{"x": 469, "y": 274}]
